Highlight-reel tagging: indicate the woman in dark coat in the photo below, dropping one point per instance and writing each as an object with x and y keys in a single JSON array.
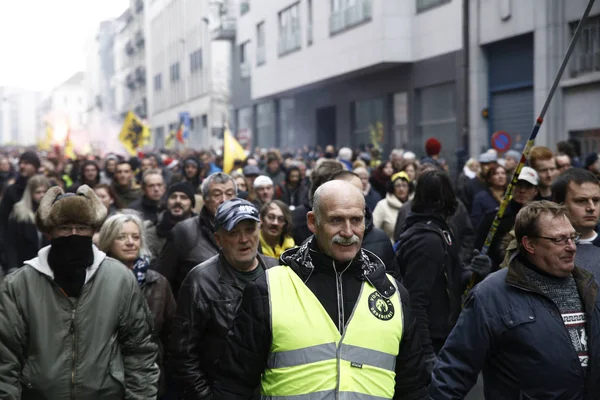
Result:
[
  {"x": 23, "y": 240},
  {"x": 488, "y": 200}
]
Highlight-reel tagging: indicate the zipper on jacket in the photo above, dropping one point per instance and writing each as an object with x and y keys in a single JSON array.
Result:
[
  {"x": 340, "y": 296},
  {"x": 74, "y": 353}
]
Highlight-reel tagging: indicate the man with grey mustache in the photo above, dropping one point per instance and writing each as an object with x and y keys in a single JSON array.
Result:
[{"x": 328, "y": 321}]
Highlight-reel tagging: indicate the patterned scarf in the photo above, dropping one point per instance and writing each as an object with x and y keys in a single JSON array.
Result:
[{"x": 140, "y": 268}]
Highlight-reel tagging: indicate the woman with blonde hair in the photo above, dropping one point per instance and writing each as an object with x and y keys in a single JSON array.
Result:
[
  {"x": 23, "y": 239},
  {"x": 122, "y": 237}
]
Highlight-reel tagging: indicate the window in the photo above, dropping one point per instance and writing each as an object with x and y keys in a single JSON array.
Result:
[
  {"x": 245, "y": 60},
  {"x": 346, "y": 14},
  {"x": 424, "y": 5},
  {"x": 244, "y": 6},
  {"x": 244, "y": 127},
  {"x": 368, "y": 120},
  {"x": 436, "y": 118},
  {"x": 265, "y": 124},
  {"x": 196, "y": 61},
  {"x": 260, "y": 44},
  {"x": 400, "y": 120},
  {"x": 289, "y": 29},
  {"x": 586, "y": 54},
  {"x": 157, "y": 82},
  {"x": 309, "y": 18},
  {"x": 175, "y": 72}
]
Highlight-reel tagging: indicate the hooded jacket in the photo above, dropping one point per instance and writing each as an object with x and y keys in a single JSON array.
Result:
[
  {"x": 246, "y": 354},
  {"x": 432, "y": 273},
  {"x": 98, "y": 346}
]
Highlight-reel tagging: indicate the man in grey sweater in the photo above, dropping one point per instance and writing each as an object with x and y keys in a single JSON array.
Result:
[{"x": 579, "y": 190}]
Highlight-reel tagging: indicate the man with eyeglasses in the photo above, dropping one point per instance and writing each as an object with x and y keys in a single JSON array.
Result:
[
  {"x": 192, "y": 241},
  {"x": 73, "y": 322},
  {"x": 579, "y": 191},
  {"x": 275, "y": 228},
  {"x": 527, "y": 326},
  {"x": 210, "y": 296}
]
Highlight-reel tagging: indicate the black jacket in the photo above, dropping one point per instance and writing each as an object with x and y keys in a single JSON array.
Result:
[
  {"x": 245, "y": 357},
  {"x": 189, "y": 243},
  {"x": 208, "y": 301},
  {"x": 300, "y": 232},
  {"x": 148, "y": 208},
  {"x": 433, "y": 275},
  {"x": 463, "y": 231},
  {"x": 377, "y": 242},
  {"x": 516, "y": 336},
  {"x": 11, "y": 196},
  {"x": 22, "y": 243}
]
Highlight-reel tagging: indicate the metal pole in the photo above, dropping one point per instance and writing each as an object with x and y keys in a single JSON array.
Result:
[{"x": 536, "y": 128}]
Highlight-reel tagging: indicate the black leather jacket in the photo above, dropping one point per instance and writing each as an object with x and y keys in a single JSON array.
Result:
[{"x": 208, "y": 300}]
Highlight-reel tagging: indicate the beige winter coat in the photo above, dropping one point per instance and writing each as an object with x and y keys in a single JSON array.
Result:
[{"x": 386, "y": 213}]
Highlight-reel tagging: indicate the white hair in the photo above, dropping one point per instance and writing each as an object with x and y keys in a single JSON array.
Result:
[
  {"x": 345, "y": 153},
  {"x": 409, "y": 155}
]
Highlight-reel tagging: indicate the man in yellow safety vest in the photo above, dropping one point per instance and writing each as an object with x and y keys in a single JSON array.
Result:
[{"x": 328, "y": 323}]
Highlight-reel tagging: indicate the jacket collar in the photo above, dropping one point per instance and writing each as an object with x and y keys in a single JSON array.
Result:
[
  {"x": 40, "y": 263},
  {"x": 226, "y": 274},
  {"x": 586, "y": 285},
  {"x": 302, "y": 261}
]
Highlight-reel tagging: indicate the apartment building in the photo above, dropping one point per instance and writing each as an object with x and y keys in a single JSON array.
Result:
[
  {"x": 188, "y": 72},
  {"x": 19, "y": 119},
  {"x": 336, "y": 72},
  {"x": 515, "y": 52},
  {"x": 129, "y": 81}
]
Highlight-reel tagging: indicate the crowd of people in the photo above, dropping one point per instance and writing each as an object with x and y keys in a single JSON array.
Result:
[{"x": 301, "y": 275}]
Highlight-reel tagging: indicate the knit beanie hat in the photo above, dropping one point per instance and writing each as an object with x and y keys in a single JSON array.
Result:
[
  {"x": 590, "y": 160},
  {"x": 185, "y": 188},
  {"x": 30, "y": 157},
  {"x": 433, "y": 147}
]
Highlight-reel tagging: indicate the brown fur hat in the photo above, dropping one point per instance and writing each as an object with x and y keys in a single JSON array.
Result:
[{"x": 83, "y": 208}]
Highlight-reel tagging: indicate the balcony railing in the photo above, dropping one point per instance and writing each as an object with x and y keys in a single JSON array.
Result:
[
  {"x": 226, "y": 29},
  {"x": 348, "y": 17},
  {"x": 289, "y": 42},
  {"x": 139, "y": 39},
  {"x": 129, "y": 49},
  {"x": 261, "y": 55}
]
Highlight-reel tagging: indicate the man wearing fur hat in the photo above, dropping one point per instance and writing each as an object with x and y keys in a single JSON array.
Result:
[{"x": 73, "y": 322}]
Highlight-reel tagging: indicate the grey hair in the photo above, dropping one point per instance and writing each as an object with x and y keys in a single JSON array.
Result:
[
  {"x": 217, "y": 177},
  {"x": 154, "y": 171},
  {"x": 23, "y": 209},
  {"x": 345, "y": 153},
  {"x": 113, "y": 226}
]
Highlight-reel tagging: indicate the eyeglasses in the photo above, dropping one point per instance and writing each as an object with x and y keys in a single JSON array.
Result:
[{"x": 563, "y": 240}]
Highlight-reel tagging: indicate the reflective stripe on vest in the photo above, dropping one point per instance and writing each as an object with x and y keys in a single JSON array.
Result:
[{"x": 310, "y": 360}]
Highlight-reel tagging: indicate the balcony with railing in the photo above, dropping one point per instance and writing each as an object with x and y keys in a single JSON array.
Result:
[
  {"x": 289, "y": 43},
  {"x": 350, "y": 16},
  {"x": 226, "y": 28}
]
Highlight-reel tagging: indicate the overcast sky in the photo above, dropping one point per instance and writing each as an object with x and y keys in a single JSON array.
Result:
[{"x": 42, "y": 42}]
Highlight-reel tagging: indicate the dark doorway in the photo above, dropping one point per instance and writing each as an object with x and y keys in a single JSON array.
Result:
[{"x": 326, "y": 126}]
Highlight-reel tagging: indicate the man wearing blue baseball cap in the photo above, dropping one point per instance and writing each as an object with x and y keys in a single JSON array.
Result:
[{"x": 210, "y": 295}]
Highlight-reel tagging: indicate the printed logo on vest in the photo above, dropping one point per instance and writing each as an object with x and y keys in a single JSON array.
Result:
[{"x": 381, "y": 307}]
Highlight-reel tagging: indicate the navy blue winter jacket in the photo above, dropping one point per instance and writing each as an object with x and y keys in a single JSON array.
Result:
[{"x": 516, "y": 336}]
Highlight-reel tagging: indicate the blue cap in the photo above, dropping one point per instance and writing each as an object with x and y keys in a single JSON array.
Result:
[{"x": 233, "y": 211}]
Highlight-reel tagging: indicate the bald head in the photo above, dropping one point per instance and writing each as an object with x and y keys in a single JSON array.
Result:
[{"x": 335, "y": 190}]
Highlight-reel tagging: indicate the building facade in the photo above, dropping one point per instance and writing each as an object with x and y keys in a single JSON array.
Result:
[
  {"x": 19, "y": 120},
  {"x": 362, "y": 72},
  {"x": 188, "y": 72},
  {"x": 516, "y": 49},
  {"x": 129, "y": 80}
]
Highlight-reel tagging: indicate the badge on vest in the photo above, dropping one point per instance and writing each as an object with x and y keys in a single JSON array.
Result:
[{"x": 381, "y": 307}]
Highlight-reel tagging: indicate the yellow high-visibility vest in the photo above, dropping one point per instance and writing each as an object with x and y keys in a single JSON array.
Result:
[{"x": 310, "y": 359}]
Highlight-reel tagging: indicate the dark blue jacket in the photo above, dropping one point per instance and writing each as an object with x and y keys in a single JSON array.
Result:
[
  {"x": 483, "y": 203},
  {"x": 516, "y": 336}
]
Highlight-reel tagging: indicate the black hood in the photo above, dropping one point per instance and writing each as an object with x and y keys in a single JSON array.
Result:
[
  {"x": 414, "y": 218},
  {"x": 368, "y": 220}
]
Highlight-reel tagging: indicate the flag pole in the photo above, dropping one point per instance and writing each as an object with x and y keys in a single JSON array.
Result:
[{"x": 536, "y": 128}]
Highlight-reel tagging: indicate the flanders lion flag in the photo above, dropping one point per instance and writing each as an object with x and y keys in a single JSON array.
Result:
[{"x": 134, "y": 133}]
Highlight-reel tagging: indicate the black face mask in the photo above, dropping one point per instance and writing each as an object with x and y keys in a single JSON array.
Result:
[{"x": 69, "y": 257}]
